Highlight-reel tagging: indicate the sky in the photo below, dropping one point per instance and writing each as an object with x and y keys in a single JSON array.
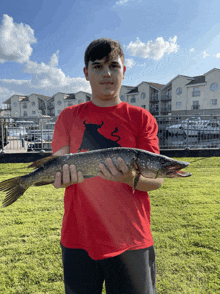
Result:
[{"x": 42, "y": 43}]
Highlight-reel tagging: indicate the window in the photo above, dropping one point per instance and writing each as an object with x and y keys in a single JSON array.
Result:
[
  {"x": 25, "y": 113},
  {"x": 133, "y": 99},
  {"x": 33, "y": 103},
  {"x": 70, "y": 103},
  {"x": 214, "y": 87},
  {"x": 196, "y": 92},
  {"x": 15, "y": 104},
  {"x": 195, "y": 105},
  {"x": 59, "y": 102},
  {"x": 59, "y": 111},
  {"x": 33, "y": 112},
  {"x": 179, "y": 91},
  {"x": 122, "y": 98},
  {"x": 143, "y": 95},
  {"x": 143, "y": 106},
  {"x": 213, "y": 102},
  {"x": 178, "y": 104},
  {"x": 25, "y": 105}
]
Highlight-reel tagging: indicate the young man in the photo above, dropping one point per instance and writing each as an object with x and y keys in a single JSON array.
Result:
[{"x": 106, "y": 232}]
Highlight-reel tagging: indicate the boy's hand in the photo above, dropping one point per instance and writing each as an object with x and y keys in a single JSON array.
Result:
[
  {"x": 70, "y": 177},
  {"x": 121, "y": 174}
]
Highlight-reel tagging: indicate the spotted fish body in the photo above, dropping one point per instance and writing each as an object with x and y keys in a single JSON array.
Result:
[{"x": 147, "y": 164}]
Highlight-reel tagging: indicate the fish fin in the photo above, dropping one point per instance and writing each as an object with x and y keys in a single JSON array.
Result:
[
  {"x": 42, "y": 161},
  {"x": 14, "y": 190},
  {"x": 136, "y": 179},
  {"x": 157, "y": 173}
]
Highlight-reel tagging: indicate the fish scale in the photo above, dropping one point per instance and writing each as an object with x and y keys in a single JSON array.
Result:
[{"x": 143, "y": 163}]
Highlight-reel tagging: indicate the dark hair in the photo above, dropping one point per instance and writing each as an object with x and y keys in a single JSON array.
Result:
[{"x": 103, "y": 47}]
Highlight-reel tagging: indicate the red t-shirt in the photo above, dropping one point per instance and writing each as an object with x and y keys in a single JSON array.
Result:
[{"x": 104, "y": 217}]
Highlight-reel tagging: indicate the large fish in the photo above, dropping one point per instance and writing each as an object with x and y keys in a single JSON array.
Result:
[{"x": 147, "y": 164}]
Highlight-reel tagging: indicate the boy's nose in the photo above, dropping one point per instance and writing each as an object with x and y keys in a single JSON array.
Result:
[{"x": 106, "y": 71}]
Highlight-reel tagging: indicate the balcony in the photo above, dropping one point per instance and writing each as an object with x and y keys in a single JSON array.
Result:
[
  {"x": 166, "y": 109},
  {"x": 154, "y": 97},
  {"x": 166, "y": 97},
  {"x": 50, "y": 106},
  {"x": 154, "y": 110},
  {"x": 195, "y": 93}
]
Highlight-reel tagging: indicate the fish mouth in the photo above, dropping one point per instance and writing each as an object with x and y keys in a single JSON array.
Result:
[{"x": 175, "y": 171}]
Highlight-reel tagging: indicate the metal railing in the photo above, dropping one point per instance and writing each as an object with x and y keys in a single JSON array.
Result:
[
  {"x": 25, "y": 135},
  {"x": 174, "y": 132},
  {"x": 177, "y": 132}
]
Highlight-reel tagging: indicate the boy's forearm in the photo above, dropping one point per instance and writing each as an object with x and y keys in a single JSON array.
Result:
[{"x": 146, "y": 184}]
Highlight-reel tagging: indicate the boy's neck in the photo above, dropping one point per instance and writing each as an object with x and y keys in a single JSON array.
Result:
[{"x": 106, "y": 102}]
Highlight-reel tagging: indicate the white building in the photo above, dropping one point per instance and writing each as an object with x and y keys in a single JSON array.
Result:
[
  {"x": 194, "y": 95},
  {"x": 36, "y": 105}
]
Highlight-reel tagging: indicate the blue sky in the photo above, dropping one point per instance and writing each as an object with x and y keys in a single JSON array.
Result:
[{"x": 42, "y": 43}]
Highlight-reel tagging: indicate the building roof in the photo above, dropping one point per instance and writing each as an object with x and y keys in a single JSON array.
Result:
[
  {"x": 197, "y": 80},
  {"x": 134, "y": 90},
  {"x": 23, "y": 98},
  {"x": 156, "y": 85},
  {"x": 70, "y": 96}
]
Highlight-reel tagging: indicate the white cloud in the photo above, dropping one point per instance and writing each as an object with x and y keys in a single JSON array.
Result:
[
  {"x": 4, "y": 95},
  {"x": 47, "y": 80},
  {"x": 15, "y": 40},
  {"x": 217, "y": 55},
  {"x": 152, "y": 50},
  {"x": 121, "y": 2},
  {"x": 205, "y": 54},
  {"x": 129, "y": 63},
  {"x": 191, "y": 50},
  {"x": 54, "y": 59}
]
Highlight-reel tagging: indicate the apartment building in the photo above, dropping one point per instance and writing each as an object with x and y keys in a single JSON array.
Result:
[
  {"x": 183, "y": 95},
  {"x": 146, "y": 95},
  {"x": 36, "y": 105},
  {"x": 194, "y": 95},
  {"x": 33, "y": 105}
]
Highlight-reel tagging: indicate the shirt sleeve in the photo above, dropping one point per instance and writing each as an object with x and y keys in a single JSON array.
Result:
[
  {"x": 147, "y": 137},
  {"x": 61, "y": 134}
]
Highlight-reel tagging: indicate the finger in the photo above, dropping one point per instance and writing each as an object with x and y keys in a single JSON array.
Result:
[
  {"x": 57, "y": 180},
  {"x": 80, "y": 177},
  {"x": 104, "y": 171},
  {"x": 122, "y": 166},
  {"x": 113, "y": 169},
  {"x": 66, "y": 174},
  {"x": 73, "y": 174}
]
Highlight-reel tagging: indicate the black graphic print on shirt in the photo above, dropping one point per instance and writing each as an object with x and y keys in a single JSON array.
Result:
[{"x": 93, "y": 140}]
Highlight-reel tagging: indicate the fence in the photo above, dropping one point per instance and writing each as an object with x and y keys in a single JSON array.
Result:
[
  {"x": 26, "y": 135},
  {"x": 174, "y": 132}
]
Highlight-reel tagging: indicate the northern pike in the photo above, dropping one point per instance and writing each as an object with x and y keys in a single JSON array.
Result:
[{"x": 147, "y": 164}]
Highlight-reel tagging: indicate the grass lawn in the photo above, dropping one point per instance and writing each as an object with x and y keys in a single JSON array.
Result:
[{"x": 185, "y": 227}]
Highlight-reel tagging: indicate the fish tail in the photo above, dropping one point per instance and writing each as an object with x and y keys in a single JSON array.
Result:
[{"x": 14, "y": 188}]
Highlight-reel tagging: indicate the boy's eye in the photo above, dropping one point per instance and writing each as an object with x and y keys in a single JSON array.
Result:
[{"x": 97, "y": 66}]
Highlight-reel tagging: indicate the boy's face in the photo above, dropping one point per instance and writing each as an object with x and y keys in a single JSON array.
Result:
[{"x": 105, "y": 77}]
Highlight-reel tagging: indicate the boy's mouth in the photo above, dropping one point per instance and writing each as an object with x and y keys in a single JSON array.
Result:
[{"x": 106, "y": 83}]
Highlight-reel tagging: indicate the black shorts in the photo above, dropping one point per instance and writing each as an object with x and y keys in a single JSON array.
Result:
[{"x": 132, "y": 272}]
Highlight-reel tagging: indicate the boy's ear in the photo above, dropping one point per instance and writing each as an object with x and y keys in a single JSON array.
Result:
[
  {"x": 124, "y": 70},
  {"x": 85, "y": 70}
]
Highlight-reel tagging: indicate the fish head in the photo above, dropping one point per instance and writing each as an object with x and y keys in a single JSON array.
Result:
[
  {"x": 152, "y": 165},
  {"x": 171, "y": 168}
]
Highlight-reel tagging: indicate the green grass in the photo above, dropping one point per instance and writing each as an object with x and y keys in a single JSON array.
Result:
[{"x": 185, "y": 227}]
